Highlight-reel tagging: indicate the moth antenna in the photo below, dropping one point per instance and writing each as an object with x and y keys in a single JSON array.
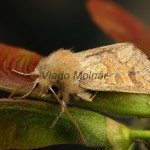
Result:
[
  {"x": 22, "y": 86},
  {"x": 24, "y": 74},
  {"x": 69, "y": 115}
]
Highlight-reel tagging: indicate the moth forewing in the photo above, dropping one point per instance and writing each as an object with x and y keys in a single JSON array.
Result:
[{"x": 125, "y": 69}]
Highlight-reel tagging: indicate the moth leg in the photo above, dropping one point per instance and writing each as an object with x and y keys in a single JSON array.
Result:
[
  {"x": 64, "y": 101},
  {"x": 69, "y": 115},
  {"x": 94, "y": 95},
  {"x": 59, "y": 115},
  {"x": 86, "y": 96},
  {"x": 35, "y": 85}
]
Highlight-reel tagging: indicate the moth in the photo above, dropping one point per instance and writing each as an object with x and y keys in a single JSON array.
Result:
[{"x": 120, "y": 67}]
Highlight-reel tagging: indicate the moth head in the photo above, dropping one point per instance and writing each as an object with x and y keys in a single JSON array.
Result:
[{"x": 44, "y": 85}]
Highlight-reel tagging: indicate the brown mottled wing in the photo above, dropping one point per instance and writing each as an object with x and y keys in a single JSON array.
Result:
[{"x": 119, "y": 67}]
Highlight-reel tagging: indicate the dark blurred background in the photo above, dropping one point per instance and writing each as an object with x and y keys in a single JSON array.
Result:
[{"x": 47, "y": 25}]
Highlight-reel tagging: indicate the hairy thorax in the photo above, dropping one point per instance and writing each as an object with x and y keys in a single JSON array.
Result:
[{"x": 58, "y": 69}]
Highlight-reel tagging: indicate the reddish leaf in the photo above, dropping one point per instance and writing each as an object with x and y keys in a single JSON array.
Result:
[
  {"x": 18, "y": 59},
  {"x": 119, "y": 24}
]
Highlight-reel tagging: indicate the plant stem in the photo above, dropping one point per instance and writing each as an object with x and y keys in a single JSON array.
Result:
[{"x": 139, "y": 134}]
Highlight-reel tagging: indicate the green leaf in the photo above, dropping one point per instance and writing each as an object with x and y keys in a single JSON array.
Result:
[{"x": 25, "y": 124}]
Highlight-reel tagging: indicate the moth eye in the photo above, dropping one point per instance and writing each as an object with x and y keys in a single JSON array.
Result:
[
  {"x": 55, "y": 88},
  {"x": 49, "y": 91}
]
